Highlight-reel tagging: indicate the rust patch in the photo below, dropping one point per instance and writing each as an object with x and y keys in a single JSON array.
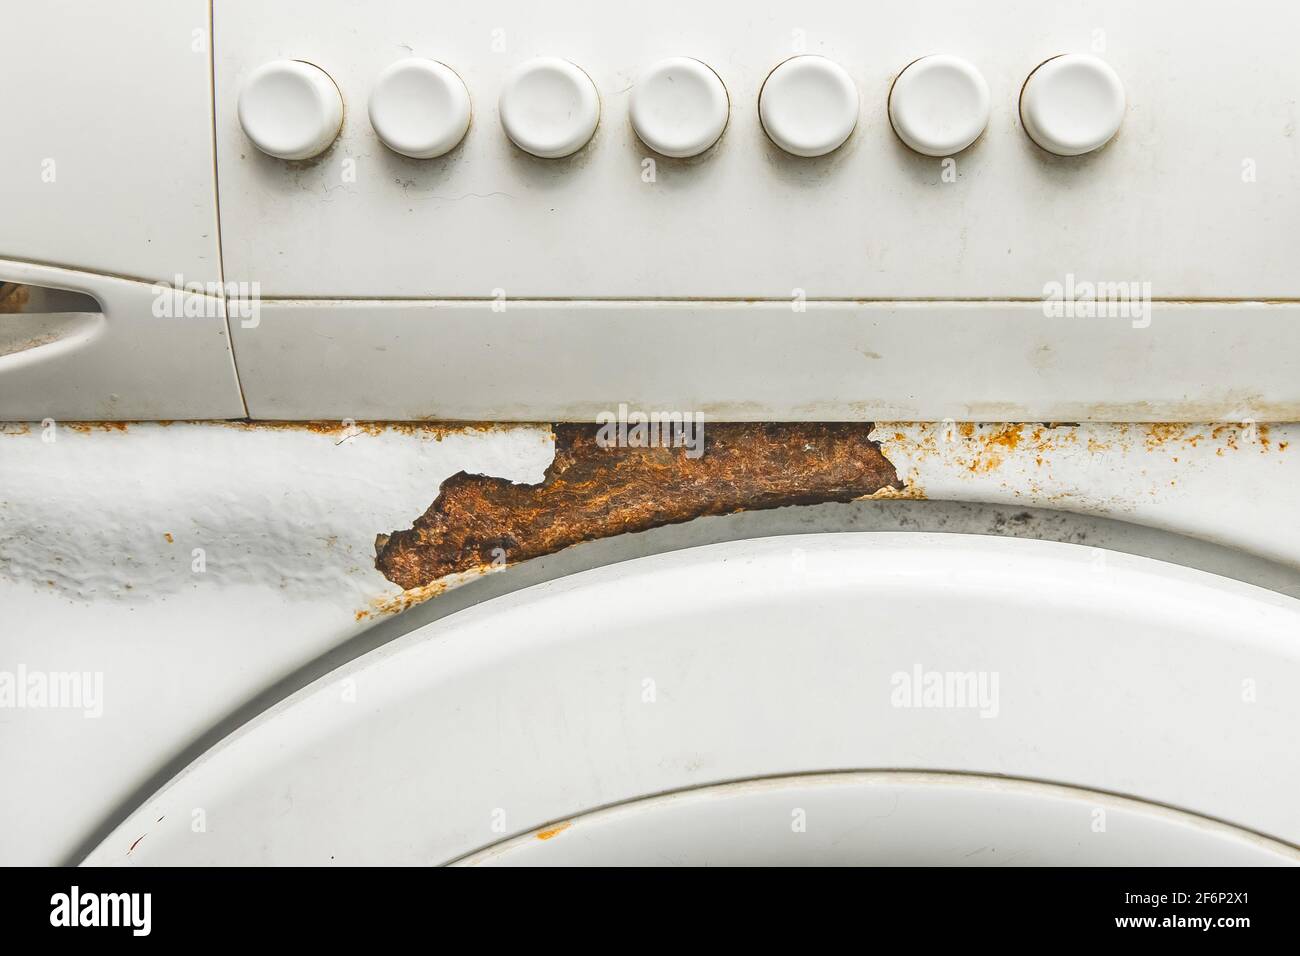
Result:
[
  {"x": 13, "y": 297},
  {"x": 553, "y": 831},
  {"x": 1159, "y": 434},
  {"x": 996, "y": 442},
  {"x": 591, "y": 492}
]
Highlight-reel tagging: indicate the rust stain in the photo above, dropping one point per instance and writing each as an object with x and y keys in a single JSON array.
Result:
[
  {"x": 1159, "y": 435},
  {"x": 1228, "y": 436},
  {"x": 13, "y": 297},
  {"x": 979, "y": 449},
  {"x": 553, "y": 831},
  {"x": 318, "y": 427},
  {"x": 397, "y": 603},
  {"x": 85, "y": 428},
  {"x": 996, "y": 442},
  {"x": 343, "y": 431},
  {"x": 436, "y": 431},
  {"x": 168, "y": 536},
  {"x": 591, "y": 491}
]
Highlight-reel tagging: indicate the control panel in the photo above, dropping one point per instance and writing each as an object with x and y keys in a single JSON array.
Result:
[{"x": 758, "y": 150}]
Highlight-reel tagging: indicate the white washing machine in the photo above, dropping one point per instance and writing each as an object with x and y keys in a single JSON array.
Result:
[{"x": 275, "y": 278}]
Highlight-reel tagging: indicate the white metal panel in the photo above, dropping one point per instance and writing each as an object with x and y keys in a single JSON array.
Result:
[
  {"x": 1211, "y": 98},
  {"x": 917, "y": 361},
  {"x": 106, "y": 119}
]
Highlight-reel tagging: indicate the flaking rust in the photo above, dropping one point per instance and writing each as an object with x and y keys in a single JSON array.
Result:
[{"x": 592, "y": 491}]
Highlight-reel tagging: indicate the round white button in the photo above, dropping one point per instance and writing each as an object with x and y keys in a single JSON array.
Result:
[
  {"x": 679, "y": 107},
  {"x": 549, "y": 107},
  {"x": 290, "y": 109},
  {"x": 939, "y": 105},
  {"x": 419, "y": 108},
  {"x": 1072, "y": 104},
  {"x": 808, "y": 105}
]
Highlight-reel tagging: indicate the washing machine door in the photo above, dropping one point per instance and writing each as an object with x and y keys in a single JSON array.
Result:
[{"x": 875, "y": 698}]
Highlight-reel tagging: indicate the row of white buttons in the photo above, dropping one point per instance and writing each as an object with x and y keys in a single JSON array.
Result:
[{"x": 809, "y": 106}]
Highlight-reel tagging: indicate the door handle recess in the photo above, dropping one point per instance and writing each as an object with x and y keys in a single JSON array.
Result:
[{"x": 34, "y": 317}]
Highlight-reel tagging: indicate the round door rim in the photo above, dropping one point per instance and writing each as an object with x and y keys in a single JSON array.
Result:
[
  {"x": 437, "y": 636},
  {"x": 1287, "y": 854}
]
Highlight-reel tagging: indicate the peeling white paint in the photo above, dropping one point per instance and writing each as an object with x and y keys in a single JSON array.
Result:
[
  {"x": 155, "y": 510},
  {"x": 89, "y": 581}
]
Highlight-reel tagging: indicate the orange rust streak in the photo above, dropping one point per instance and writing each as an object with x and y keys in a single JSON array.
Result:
[
  {"x": 436, "y": 431},
  {"x": 85, "y": 428},
  {"x": 553, "y": 831}
]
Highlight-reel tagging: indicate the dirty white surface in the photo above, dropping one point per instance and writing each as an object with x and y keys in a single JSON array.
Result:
[
  {"x": 98, "y": 530},
  {"x": 1232, "y": 484},
  {"x": 98, "y": 533}
]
